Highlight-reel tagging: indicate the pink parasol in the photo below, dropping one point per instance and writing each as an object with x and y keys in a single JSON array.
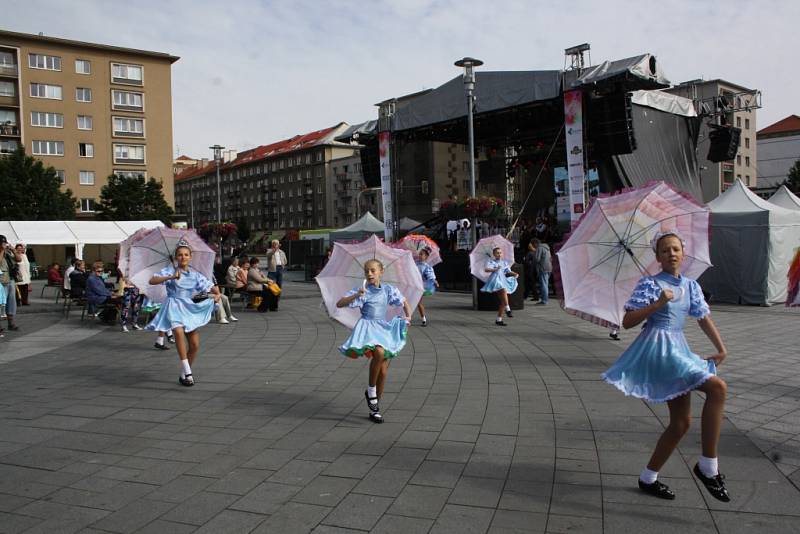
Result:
[
  {"x": 154, "y": 251},
  {"x": 125, "y": 249},
  {"x": 345, "y": 271},
  {"x": 610, "y": 249},
  {"x": 417, "y": 242},
  {"x": 483, "y": 253}
]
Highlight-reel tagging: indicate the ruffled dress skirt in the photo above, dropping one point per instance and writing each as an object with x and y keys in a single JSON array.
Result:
[
  {"x": 429, "y": 287},
  {"x": 499, "y": 281},
  {"x": 185, "y": 313},
  {"x": 370, "y": 333},
  {"x": 659, "y": 366}
]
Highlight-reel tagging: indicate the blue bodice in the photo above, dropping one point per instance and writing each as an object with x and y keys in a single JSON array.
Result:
[
  {"x": 687, "y": 300},
  {"x": 376, "y": 300},
  {"x": 189, "y": 284}
]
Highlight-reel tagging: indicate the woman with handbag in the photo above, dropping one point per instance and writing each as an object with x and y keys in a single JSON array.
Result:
[{"x": 257, "y": 282}]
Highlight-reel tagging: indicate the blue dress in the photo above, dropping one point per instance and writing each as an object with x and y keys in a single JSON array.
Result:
[
  {"x": 498, "y": 280},
  {"x": 428, "y": 277},
  {"x": 179, "y": 310},
  {"x": 373, "y": 330},
  {"x": 659, "y": 366}
]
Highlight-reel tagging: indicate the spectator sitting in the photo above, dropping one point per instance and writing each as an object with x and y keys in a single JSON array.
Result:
[
  {"x": 256, "y": 281},
  {"x": 54, "y": 277},
  {"x": 230, "y": 277},
  {"x": 97, "y": 293},
  {"x": 241, "y": 276},
  {"x": 77, "y": 279}
]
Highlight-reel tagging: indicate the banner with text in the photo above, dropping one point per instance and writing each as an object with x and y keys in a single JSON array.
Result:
[
  {"x": 384, "y": 139},
  {"x": 573, "y": 123}
]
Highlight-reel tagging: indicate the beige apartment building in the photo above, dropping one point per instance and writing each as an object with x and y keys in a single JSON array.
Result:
[{"x": 88, "y": 110}]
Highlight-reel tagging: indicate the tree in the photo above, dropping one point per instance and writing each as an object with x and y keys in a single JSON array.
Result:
[
  {"x": 31, "y": 191},
  {"x": 133, "y": 199},
  {"x": 793, "y": 178}
]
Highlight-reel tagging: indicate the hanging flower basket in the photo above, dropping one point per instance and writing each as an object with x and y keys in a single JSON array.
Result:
[
  {"x": 480, "y": 207},
  {"x": 216, "y": 231}
]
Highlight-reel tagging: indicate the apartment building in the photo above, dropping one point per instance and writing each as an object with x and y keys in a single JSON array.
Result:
[
  {"x": 352, "y": 197},
  {"x": 717, "y": 177},
  {"x": 778, "y": 151},
  {"x": 88, "y": 110},
  {"x": 287, "y": 185}
]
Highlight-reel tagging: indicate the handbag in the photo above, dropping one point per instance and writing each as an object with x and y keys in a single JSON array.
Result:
[
  {"x": 274, "y": 288},
  {"x": 200, "y": 297}
]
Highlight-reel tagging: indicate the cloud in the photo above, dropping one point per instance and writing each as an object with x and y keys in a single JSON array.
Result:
[{"x": 252, "y": 72}]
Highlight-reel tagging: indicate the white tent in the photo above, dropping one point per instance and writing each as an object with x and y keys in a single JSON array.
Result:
[
  {"x": 752, "y": 243},
  {"x": 407, "y": 224},
  {"x": 359, "y": 230},
  {"x": 72, "y": 233},
  {"x": 785, "y": 199}
]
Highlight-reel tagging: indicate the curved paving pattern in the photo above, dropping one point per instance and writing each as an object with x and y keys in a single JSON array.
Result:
[{"x": 487, "y": 430}]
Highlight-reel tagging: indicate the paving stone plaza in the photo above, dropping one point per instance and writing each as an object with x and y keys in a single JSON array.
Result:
[{"x": 487, "y": 429}]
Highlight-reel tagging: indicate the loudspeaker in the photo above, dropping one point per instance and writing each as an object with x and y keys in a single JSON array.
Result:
[
  {"x": 609, "y": 125},
  {"x": 723, "y": 142},
  {"x": 370, "y": 163}
]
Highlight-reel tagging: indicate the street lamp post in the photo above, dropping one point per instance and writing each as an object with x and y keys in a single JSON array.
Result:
[
  {"x": 218, "y": 159},
  {"x": 191, "y": 200},
  {"x": 469, "y": 64}
]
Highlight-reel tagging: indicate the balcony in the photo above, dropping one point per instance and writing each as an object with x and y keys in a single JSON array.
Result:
[
  {"x": 9, "y": 70},
  {"x": 9, "y": 130},
  {"x": 8, "y": 101}
]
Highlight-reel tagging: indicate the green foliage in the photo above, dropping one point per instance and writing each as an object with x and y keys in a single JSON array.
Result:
[
  {"x": 793, "y": 178},
  {"x": 133, "y": 199},
  {"x": 29, "y": 191}
]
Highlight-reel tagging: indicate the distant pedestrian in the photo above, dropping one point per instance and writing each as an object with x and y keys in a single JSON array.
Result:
[
  {"x": 502, "y": 281},
  {"x": 24, "y": 266},
  {"x": 9, "y": 274},
  {"x": 544, "y": 267},
  {"x": 660, "y": 367},
  {"x": 531, "y": 279},
  {"x": 373, "y": 336},
  {"x": 276, "y": 262},
  {"x": 464, "y": 237},
  {"x": 131, "y": 305},
  {"x": 429, "y": 281}
]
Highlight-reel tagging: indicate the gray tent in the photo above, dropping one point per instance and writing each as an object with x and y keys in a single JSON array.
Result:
[
  {"x": 752, "y": 242},
  {"x": 359, "y": 230}
]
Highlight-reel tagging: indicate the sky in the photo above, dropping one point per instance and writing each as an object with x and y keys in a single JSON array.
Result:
[{"x": 254, "y": 72}]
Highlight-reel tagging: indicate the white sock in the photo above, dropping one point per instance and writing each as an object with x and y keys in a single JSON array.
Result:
[
  {"x": 708, "y": 466},
  {"x": 372, "y": 391},
  {"x": 648, "y": 476},
  {"x": 424, "y": 319},
  {"x": 499, "y": 319},
  {"x": 508, "y": 308},
  {"x": 160, "y": 340},
  {"x": 185, "y": 369}
]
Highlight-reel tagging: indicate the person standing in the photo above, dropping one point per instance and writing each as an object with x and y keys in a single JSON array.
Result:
[
  {"x": 8, "y": 280},
  {"x": 131, "y": 305},
  {"x": 276, "y": 262},
  {"x": 69, "y": 270},
  {"x": 544, "y": 266},
  {"x": 24, "y": 274},
  {"x": 530, "y": 271},
  {"x": 464, "y": 238}
]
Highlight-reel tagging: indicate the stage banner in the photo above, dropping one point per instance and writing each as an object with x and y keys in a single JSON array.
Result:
[
  {"x": 384, "y": 140},
  {"x": 573, "y": 124},
  {"x": 561, "y": 179}
]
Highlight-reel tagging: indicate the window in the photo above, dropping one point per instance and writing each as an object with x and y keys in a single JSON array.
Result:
[
  {"x": 129, "y": 154},
  {"x": 738, "y": 122},
  {"x": 124, "y": 173},
  {"x": 7, "y": 147},
  {"x": 128, "y": 127},
  {"x": 86, "y": 150},
  {"x": 83, "y": 94},
  {"x": 87, "y": 205},
  {"x": 48, "y": 148},
  {"x": 747, "y": 161},
  {"x": 747, "y": 179},
  {"x": 8, "y": 116},
  {"x": 83, "y": 66},
  {"x": 62, "y": 179},
  {"x": 747, "y": 124},
  {"x": 319, "y": 189},
  {"x": 290, "y": 193},
  {"x": 84, "y": 122},
  {"x": 43, "y": 90},
  {"x": 47, "y": 120},
  {"x": 319, "y": 156},
  {"x": 308, "y": 158},
  {"x": 87, "y": 178},
  {"x": 127, "y": 100},
  {"x": 739, "y": 159},
  {"x": 747, "y": 142},
  {"x": 8, "y": 88},
  {"x": 127, "y": 74},
  {"x": 41, "y": 61}
]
